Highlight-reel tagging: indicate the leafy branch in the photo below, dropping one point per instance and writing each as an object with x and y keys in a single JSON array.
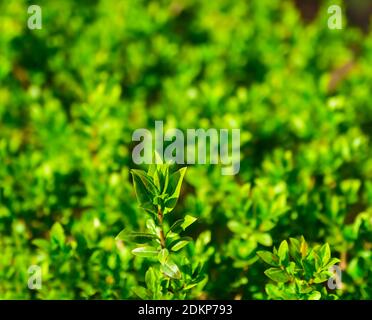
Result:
[
  {"x": 157, "y": 192},
  {"x": 298, "y": 271}
]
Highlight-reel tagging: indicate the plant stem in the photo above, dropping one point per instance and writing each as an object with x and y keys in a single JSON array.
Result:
[
  {"x": 160, "y": 220},
  {"x": 343, "y": 262}
]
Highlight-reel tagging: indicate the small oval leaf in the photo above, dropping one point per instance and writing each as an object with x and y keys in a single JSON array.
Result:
[
  {"x": 145, "y": 251},
  {"x": 277, "y": 275},
  {"x": 180, "y": 243},
  {"x": 171, "y": 270}
]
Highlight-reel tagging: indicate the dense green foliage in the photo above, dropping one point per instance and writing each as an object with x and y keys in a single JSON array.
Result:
[
  {"x": 299, "y": 272},
  {"x": 72, "y": 93}
]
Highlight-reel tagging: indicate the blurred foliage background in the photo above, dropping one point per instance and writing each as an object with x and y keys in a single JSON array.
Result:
[{"x": 72, "y": 93}]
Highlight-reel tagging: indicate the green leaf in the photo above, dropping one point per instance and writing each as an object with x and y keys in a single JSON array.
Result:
[
  {"x": 269, "y": 258},
  {"x": 264, "y": 239},
  {"x": 295, "y": 243},
  {"x": 164, "y": 174},
  {"x": 57, "y": 234},
  {"x": 150, "y": 224},
  {"x": 41, "y": 243},
  {"x": 180, "y": 243},
  {"x": 283, "y": 253},
  {"x": 291, "y": 268},
  {"x": 146, "y": 180},
  {"x": 316, "y": 295},
  {"x": 181, "y": 224},
  {"x": 188, "y": 287},
  {"x": 322, "y": 277},
  {"x": 188, "y": 220},
  {"x": 150, "y": 279},
  {"x": 294, "y": 249},
  {"x": 277, "y": 275},
  {"x": 145, "y": 251},
  {"x": 309, "y": 266},
  {"x": 174, "y": 189},
  {"x": 163, "y": 255},
  {"x": 170, "y": 269},
  {"x": 151, "y": 171},
  {"x": 267, "y": 225},
  {"x": 325, "y": 254},
  {"x": 331, "y": 263},
  {"x": 273, "y": 291},
  {"x": 177, "y": 226},
  {"x": 136, "y": 237},
  {"x": 145, "y": 190},
  {"x": 161, "y": 178},
  {"x": 236, "y": 226},
  {"x": 355, "y": 270},
  {"x": 141, "y": 292}
]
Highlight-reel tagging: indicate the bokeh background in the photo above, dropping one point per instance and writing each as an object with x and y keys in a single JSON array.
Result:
[{"x": 72, "y": 93}]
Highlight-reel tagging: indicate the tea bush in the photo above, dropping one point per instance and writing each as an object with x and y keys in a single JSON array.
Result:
[{"x": 71, "y": 95}]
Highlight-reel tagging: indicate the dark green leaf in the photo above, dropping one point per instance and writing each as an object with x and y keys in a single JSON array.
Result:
[
  {"x": 177, "y": 226},
  {"x": 189, "y": 220},
  {"x": 145, "y": 190}
]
